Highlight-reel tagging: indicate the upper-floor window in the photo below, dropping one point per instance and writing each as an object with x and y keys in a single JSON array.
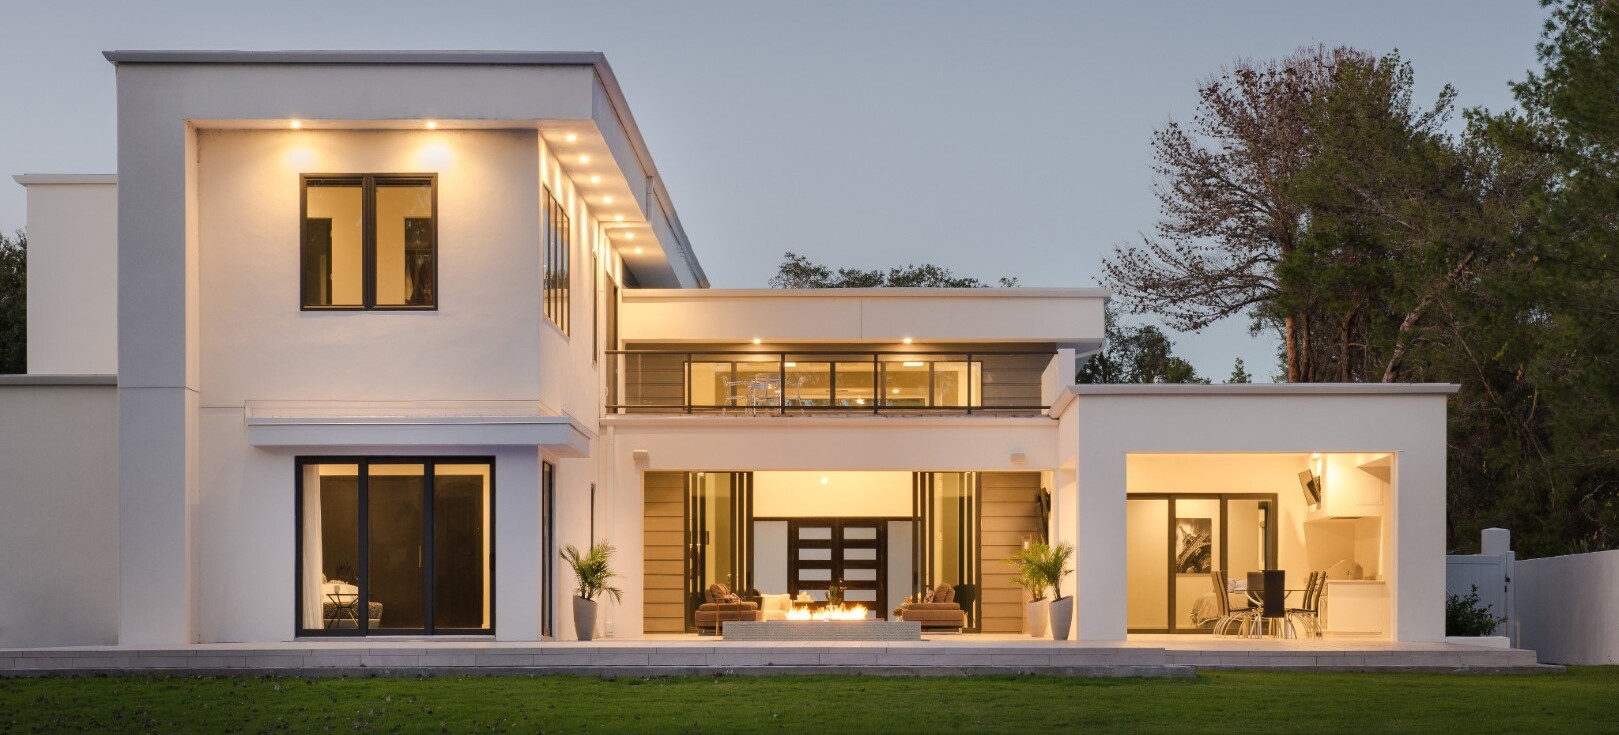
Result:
[
  {"x": 370, "y": 241},
  {"x": 558, "y": 246}
]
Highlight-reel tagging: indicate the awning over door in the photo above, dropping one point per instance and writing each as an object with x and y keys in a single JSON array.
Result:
[{"x": 398, "y": 424}]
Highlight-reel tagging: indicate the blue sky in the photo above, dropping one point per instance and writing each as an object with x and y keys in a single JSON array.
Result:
[{"x": 997, "y": 139}]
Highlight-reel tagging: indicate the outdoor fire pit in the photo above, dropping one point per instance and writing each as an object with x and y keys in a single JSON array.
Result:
[{"x": 823, "y": 623}]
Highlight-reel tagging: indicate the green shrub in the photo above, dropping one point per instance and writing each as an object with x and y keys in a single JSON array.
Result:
[{"x": 1466, "y": 616}]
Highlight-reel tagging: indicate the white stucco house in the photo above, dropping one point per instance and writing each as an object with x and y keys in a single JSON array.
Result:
[{"x": 353, "y": 342}]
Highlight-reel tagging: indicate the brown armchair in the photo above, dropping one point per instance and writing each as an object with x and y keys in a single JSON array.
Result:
[
  {"x": 721, "y": 607},
  {"x": 938, "y": 612}
]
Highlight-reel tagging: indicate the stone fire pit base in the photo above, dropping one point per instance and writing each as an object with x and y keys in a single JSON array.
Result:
[{"x": 821, "y": 630}]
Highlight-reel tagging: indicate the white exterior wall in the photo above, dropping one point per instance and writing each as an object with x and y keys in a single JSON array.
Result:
[
  {"x": 72, "y": 274},
  {"x": 58, "y": 512},
  {"x": 1407, "y": 420}
]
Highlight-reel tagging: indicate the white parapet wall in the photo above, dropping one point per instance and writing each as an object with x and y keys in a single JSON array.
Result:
[
  {"x": 1568, "y": 608},
  {"x": 72, "y": 273},
  {"x": 58, "y": 510}
]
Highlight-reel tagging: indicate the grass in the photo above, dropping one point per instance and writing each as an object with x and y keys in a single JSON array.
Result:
[{"x": 1581, "y": 701}]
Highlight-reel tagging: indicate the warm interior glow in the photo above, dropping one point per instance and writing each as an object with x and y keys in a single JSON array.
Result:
[
  {"x": 571, "y": 138},
  {"x": 841, "y": 612},
  {"x": 914, "y": 364},
  {"x": 792, "y": 364}
]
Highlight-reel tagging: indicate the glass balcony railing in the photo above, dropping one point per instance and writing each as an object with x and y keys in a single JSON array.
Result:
[{"x": 809, "y": 382}]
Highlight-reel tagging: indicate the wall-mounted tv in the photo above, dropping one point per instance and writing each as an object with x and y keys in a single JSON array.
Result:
[{"x": 1311, "y": 486}]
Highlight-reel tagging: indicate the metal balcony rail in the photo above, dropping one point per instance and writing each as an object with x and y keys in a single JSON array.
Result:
[{"x": 795, "y": 382}]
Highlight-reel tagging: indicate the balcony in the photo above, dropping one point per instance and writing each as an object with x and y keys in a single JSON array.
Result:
[{"x": 808, "y": 382}]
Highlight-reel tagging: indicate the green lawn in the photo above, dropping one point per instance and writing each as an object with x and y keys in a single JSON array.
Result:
[{"x": 1585, "y": 700}]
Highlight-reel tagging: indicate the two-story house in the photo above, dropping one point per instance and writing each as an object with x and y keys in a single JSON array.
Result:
[{"x": 354, "y": 342}]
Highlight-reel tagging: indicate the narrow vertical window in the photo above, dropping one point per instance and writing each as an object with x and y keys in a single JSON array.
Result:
[
  {"x": 369, "y": 242},
  {"x": 558, "y": 248}
]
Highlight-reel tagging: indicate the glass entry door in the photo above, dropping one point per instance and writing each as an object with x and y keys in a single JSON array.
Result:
[
  {"x": 395, "y": 546},
  {"x": 1173, "y": 544}
]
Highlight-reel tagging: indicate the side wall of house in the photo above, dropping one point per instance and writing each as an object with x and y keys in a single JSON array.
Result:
[
  {"x": 58, "y": 511},
  {"x": 72, "y": 275}
]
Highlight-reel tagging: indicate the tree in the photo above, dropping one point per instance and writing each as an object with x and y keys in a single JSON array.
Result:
[
  {"x": 797, "y": 271},
  {"x": 1239, "y": 373},
  {"x": 1135, "y": 354},
  {"x": 1279, "y": 203},
  {"x": 14, "y": 303}
]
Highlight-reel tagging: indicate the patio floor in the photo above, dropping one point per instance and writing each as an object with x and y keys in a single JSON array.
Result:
[{"x": 690, "y": 655}]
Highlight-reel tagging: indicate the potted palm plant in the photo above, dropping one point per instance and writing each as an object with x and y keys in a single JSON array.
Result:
[
  {"x": 593, "y": 574},
  {"x": 1031, "y": 577},
  {"x": 1054, "y": 566}
]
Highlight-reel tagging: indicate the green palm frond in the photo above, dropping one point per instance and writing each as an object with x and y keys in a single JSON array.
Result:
[{"x": 592, "y": 570}]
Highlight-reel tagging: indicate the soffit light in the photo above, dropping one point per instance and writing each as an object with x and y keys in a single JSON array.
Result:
[
  {"x": 618, "y": 218},
  {"x": 595, "y": 179},
  {"x": 825, "y": 480},
  {"x": 907, "y": 340},
  {"x": 758, "y": 341},
  {"x": 295, "y": 124},
  {"x": 584, "y": 159},
  {"x": 432, "y": 125},
  {"x": 571, "y": 138},
  {"x": 629, "y": 236},
  {"x": 607, "y": 199},
  {"x": 638, "y": 251}
]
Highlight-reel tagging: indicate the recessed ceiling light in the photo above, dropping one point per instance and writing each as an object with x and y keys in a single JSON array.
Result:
[
  {"x": 790, "y": 364},
  {"x": 570, "y": 137},
  {"x": 432, "y": 125},
  {"x": 825, "y": 480},
  {"x": 607, "y": 199},
  {"x": 638, "y": 251},
  {"x": 907, "y": 340},
  {"x": 894, "y": 391},
  {"x": 295, "y": 124},
  {"x": 618, "y": 218},
  {"x": 758, "y": 341},
  {"x": 859, "y": 401},
  {"x": 629, "y": 236},
  {"x": 914, "y": 364},
  {"x": 584, "y": 159},
  {"x": 595, "y": 179}
]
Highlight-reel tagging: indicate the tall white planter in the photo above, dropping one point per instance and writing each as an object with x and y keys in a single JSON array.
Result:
[
  {"x": 584, "y": 618},
  {"x": 1035, "y": 614},
  {"x": 1062, "y": 617}
]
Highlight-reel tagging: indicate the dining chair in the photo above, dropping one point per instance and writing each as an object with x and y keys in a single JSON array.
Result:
[
  {"x": 1228, "y": 616},
  {"x": 1309, "y": 611}
]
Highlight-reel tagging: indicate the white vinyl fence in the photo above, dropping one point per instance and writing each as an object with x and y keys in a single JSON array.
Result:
[
  {"x": 1568, "y": 608},
  {"x": 1491, "y": 572}
]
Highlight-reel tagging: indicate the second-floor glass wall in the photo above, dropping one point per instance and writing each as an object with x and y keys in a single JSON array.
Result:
[{"x": 827, "y": 381}]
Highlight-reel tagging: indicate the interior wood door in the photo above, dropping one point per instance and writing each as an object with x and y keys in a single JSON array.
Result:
[{"x": 821, "y": 551}]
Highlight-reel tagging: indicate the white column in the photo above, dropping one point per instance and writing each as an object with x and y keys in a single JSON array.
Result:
[
  {"x": 1099, "y": 559},
  {"x": 158, "y": 359},
  {"x": 1417, "y": 586},
  {"x": 517, "y": 545}
]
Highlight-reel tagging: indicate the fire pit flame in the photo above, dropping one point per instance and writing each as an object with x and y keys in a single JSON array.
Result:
[{"x": 840, "y": 612}]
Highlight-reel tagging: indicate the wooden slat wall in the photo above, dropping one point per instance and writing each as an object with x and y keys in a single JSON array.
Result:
[
  {"x": 1010, "y": 510},
  {"x": 664, "y": 538}
]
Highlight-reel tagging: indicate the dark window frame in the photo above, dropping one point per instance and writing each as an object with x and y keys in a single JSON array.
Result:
[
  {"x": 558, "y": 274},
  {"x": 368, "y": 238},
  {"x": 362, "y": 628},
  {"x": 548, "y": 549}
]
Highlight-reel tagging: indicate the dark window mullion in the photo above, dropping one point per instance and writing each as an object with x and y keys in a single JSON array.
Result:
[{"x": 368, "y": 242}]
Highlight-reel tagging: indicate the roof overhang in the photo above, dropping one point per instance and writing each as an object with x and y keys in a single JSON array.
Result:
[
  {"x": 398, "y": 425},
  {"x": 1116, "y": 390}
]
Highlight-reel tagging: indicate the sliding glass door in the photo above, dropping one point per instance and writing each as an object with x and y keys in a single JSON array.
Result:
[
  {"x": 946, "y": 516},
  {"x": 1175, "y": 542},
  {"x": 395, "y": 546}
]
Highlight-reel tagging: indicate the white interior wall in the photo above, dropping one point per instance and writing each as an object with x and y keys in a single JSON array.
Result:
[{"x": 843, "y": 495}]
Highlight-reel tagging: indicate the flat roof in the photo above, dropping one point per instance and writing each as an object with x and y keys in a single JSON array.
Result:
[
  {"x": 594, "y": 59},
  {"x": 866, "y": 293},
  {"x": 70, "y": 179},
  {"x": 1261, "y": 389}
]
